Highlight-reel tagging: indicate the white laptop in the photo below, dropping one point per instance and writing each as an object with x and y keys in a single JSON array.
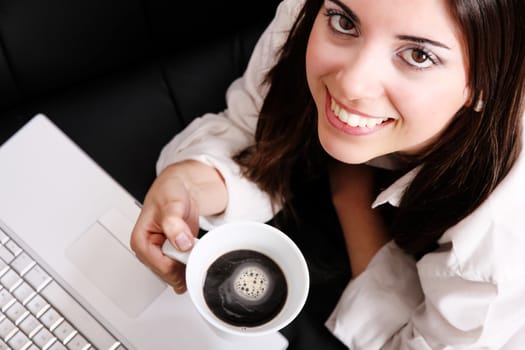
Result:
[{"x": 65, "y": 226}]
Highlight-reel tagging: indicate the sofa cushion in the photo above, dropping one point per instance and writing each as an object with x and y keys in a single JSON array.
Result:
[
  {"x": 53, "y": 44},
  {"x": 106, "y": 73}
]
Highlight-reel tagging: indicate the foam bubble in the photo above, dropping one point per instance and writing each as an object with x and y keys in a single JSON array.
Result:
[
  {"x": 251, "y": 282},
  {"x": 245, "y": 288}
]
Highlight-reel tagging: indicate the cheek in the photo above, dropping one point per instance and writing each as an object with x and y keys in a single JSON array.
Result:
[
  {"x": 314, "y": 63},
  {"x": 436, "y": 102},
  {"x": 322, "y": 60}
]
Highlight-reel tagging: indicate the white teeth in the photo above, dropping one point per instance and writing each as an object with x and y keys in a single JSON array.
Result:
[{"x": 354, "y": 120}]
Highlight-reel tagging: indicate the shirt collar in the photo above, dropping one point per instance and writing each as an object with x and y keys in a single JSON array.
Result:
[{"x": 394, "y": 192}]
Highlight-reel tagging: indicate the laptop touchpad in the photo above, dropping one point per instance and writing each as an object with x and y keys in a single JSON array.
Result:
[{"x": 115, "y": 270}]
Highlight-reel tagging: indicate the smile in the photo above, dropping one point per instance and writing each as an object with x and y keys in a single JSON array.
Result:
[{"x": 352, "y": 119}]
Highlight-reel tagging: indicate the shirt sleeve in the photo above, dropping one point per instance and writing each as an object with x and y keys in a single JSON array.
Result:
[
  {"x": 214, "y": 138},
  {"x": 398, "y": 304}
]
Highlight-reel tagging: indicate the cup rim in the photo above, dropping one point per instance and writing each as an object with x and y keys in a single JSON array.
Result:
[{"x": 300, "y": 292}]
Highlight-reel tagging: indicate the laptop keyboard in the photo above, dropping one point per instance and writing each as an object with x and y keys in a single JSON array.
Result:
[{"x": 37, "y": 313}]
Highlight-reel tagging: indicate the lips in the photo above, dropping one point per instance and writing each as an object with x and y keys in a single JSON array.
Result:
[{"x": 352, "y": 119}]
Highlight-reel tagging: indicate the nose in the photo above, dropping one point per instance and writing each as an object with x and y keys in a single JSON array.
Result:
[{"x": 362, "y": 74}]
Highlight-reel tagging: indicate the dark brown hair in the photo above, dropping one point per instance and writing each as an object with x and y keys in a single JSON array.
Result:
[{"x": 457, "y": 173}]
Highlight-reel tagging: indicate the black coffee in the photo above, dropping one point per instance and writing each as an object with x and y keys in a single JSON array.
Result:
[{"x": 245, "y": 288}]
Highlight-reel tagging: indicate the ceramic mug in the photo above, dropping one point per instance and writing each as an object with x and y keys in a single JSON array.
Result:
[{"x": 245, "y": 278}]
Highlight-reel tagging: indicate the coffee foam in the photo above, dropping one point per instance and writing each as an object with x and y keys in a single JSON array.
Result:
[
  {"x": 245, "y": 288},
  {"x": 251, "y": 282}
]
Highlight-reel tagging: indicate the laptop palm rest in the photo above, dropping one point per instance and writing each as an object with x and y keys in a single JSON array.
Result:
[{"x": 108, "y": 263}]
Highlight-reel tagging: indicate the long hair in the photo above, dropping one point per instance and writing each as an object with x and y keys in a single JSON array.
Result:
[
  {"x": 285, "y": 139},
  {"x": 457, "y": 173}
]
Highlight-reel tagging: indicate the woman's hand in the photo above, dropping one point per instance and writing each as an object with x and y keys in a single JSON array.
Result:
[
  {"x": 353, "y": 192},
  {"x": 171, "y": 211}
]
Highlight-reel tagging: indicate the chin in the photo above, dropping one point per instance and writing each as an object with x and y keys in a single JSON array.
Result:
[
  {"x": 343, "y": 154},
  {"x": 350, "y": 159}
]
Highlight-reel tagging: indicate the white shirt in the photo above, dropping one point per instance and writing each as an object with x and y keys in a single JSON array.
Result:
[{"x": 470, "y": 294}]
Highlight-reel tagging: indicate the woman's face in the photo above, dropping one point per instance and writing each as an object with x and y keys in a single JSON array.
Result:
[{"x": 386, "y": 75}]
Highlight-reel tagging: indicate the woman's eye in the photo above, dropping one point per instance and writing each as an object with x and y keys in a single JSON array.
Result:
[
  {"x": 341, "y": 23},
  {"x": 418, "y": 57}
]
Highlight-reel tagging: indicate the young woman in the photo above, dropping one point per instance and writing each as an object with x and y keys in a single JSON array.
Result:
[{"x": 412, "y": 113}]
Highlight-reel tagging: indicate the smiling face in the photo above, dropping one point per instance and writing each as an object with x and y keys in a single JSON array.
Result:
[{"x": 386, "y": 75}]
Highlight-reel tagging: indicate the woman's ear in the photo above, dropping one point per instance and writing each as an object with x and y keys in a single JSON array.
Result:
[
  {"x": 480, "y": 103},
  {"x": 477, "y": 106}
]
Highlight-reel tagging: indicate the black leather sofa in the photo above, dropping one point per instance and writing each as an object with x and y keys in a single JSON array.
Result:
[{"x": 121, "y": 77}]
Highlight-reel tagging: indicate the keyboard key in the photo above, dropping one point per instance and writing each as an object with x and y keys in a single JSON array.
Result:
[
  {"x": 64, "y": 331},
  {"x": 77, "y": 343},
  {"x": 7, "y": 328},
  {"x": 119, "y": 347},
  {"x": 13, "y": 247},
  {"x": 16, "y": 312},
  {"x": 30, "y": 325},
  {"x": 43, "y": 337},
  {"x": 56, "y": 346},
  {"x": 23, "y": 293},
  {"x": 78, "y": 316},
  {"x": 22, "y": 263},
  {"x": 3, "y": 267},
  {"x": 5, "y": 254},
  {"x": 50, "y": 318},
  {"x": 3, "y": 237},
  {"x": 18, "y": 341},
  {"x": 37, "y": 305},
  {"x": 37, "y": 277},
  {"x": 3, "y": 346},
  {"x": 6, "y": 299},
  {"x": 10, "y": 280}
]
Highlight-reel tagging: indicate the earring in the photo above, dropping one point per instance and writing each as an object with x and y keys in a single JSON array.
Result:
[{"x": 478, "y": 107}]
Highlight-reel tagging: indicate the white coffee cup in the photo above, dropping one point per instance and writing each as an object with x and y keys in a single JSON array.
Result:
[{"x": 243, "y": 235}]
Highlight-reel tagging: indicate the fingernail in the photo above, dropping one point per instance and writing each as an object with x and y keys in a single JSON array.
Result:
[{"x": 183, "y": 241}]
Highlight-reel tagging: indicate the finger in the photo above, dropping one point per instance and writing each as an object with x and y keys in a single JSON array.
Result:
[
  {"x": 171, "y": 271},
  {"x": 146, "y": 241},
  {"x": 176, "y": 279},
  {"x": 180, "y": 290},
  {"x": 171, "y": 216},
  {"x": 144, "y": 226},
  {"x": 174, "y": 226},
  {"x": 179, "y": 285},
  {"x": 152, "y": 256}
]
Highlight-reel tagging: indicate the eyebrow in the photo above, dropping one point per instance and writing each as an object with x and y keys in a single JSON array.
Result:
[
  {"x": 347, "y": 11},
  {"x": 420, "y": 40},
  {"x": 412, "y": 38}
]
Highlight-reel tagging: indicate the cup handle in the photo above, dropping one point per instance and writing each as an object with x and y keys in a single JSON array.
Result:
[{"x": 169, "y": 250}]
